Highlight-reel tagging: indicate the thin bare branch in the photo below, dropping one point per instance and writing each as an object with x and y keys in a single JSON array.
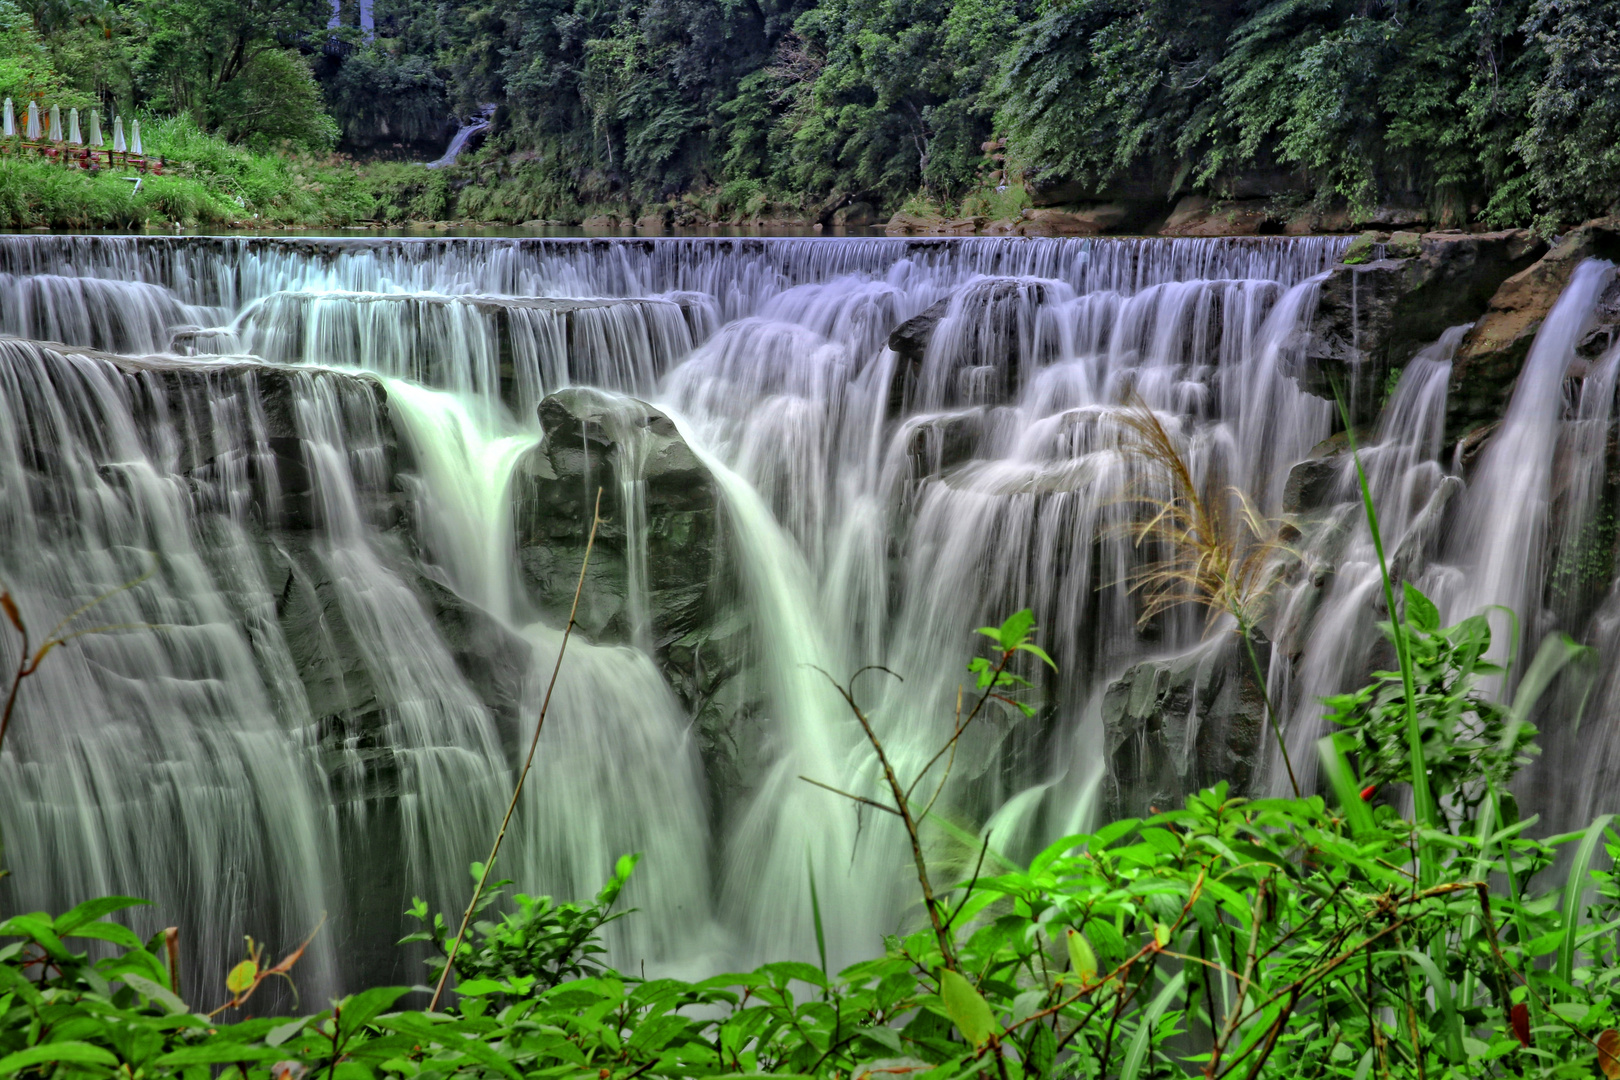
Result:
[{"x": 528, "y": 762}]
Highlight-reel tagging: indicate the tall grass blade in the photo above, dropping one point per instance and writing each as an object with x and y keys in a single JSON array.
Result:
[
  {"x": 1138, "y": 1052},
  {"x": 1423, "y": 801},
  {"x": 1557, "y": 652},
  {"x": 1574, "y": 892},
  {"x": 1450, "y": 1024},
  {"x": 1337, "y": 768},
  {"x": 815, "y": 914}
]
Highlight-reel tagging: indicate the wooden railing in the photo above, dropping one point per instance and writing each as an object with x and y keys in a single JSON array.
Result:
[{"x": 87, "y": 158}]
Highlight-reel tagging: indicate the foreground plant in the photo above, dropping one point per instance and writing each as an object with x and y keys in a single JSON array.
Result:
[{"x": 1219, "y": 551}]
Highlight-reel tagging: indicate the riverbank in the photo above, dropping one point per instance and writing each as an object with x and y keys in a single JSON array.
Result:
[{"x": 211, "y": 184}]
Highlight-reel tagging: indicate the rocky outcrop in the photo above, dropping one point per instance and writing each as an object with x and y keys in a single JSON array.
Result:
[
  {"x": 1488, "y": 361},
  {"x": 987, "y": 310},
  {"x": 624, "y": 446},
  {"x": 1176, "y": 725},
  {"x": 910, "y": 339},
  {"x": 1313, "y": 484},
  {"x": 1197, "y": 215},
  {"x": 928, "y": 224},
  {"x": 1090, "y": 219},
  {"x": 598, "y": 440},
  {"x": 1373, "y": 316},
  {"x": 937, "y": 443}
]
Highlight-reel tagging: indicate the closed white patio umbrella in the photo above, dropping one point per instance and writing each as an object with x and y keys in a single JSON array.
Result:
[
  {"x": 56, "y": 123},
  {"x": 118, "y": 135},
  {"x": 73, "y": 128},
  {"x": 33, "y": 120},
  {"x": 135, "y": 138},
  {"x": 10, "y": 121}
]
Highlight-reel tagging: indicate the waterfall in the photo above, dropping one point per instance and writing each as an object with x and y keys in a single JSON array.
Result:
[{"x": 350, "y": 481}]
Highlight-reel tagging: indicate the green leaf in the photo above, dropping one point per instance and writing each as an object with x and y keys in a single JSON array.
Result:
[
  {"x": 241, "y": 977},
  {"x": 1081, "y": 957},
  {"x": 1339, "y": 774},
  {"x": 71, "y": 1050},
  {"x": 1450, "y": 1022},
  {"x": 1039, "y": 652},
  {"x": 366, "y": 1006},
  {"x": 1574, "y": 889},
  {"x": 155, "y": 991},
  {"x": 218, "y": 1052},
  {"x": 117, "y": 933},
  {"x": 1420, "y": 610},
  {"x": 967, "y": 1008},
  {"x": 1042, "y": 1051},
  {"x": 91, "y": 910},
  {"x": 1011, "y": 634},
  {"x": 1138, "y": 1052},
  {"x": 281, "y": 1033},
  {"x": 39, "y": 927},
  {"x": 479, "y": 987}
]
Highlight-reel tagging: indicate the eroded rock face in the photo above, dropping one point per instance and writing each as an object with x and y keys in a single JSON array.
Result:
[
  {"x": 1196, "y": 215},
  {"x": 598, "y": 440},
  {"x": 1177, "y": 725},
  {"x": 987, "y": 311},
  {"x": 1374, "y": 316},
  {"x": 1489, "y": 359}
]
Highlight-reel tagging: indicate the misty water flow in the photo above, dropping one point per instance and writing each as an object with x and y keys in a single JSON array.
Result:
[{"x": 320, "y": 460}]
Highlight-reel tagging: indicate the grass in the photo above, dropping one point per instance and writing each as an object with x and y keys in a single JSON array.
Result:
[{"x": 209, "y": 182}]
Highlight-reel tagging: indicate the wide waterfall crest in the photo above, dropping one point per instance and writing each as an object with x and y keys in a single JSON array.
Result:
[{"x": 361, "y": 473}]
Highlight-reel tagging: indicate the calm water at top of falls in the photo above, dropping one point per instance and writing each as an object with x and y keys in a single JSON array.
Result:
[{"x": 196, "y": 755}]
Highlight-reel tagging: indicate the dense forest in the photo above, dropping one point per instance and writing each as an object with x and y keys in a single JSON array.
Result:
[{"x": 1501, "y": 111}]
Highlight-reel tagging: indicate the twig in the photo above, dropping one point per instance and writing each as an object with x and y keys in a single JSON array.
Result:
[
  {"x": 28, "y": 663},
  {"x": 947, "y": 953},
  {"x": 848, "y": 795},
  {"x": 517, "y": 791}
]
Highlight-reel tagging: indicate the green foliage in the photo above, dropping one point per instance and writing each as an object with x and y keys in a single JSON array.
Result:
[
  {"x": 27, "y": 69},
  {"x": 209, "y": 182},
  {"x": 1573, "y": 141},
  {"x": 540, "y": 945},
  {"x": 379, "y": 97},
  {"x": 224, "y": 62},
  {"x": 1471, "y": 745},
  {"x": 1503, "y": 113},
  {"x": 1291, "y": 946}
]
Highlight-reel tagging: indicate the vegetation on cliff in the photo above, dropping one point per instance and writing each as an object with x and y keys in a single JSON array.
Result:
[{"x": 1507, "y": 113}]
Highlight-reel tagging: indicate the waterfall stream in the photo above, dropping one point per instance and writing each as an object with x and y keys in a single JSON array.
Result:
[{"x": 347, "y": 485}]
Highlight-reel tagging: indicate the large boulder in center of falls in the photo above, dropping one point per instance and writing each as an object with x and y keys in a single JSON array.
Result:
[
  {"x": 654, "y": 489},
  {"x": 645, "y": 470},
  {"x": 991, "y": 331}
]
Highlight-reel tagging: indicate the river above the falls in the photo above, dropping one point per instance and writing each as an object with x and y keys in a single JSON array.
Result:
[{"x": 351, "y": 480}]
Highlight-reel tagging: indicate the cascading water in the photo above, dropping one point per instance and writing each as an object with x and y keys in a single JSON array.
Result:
[{"x": 360, "y": 473}]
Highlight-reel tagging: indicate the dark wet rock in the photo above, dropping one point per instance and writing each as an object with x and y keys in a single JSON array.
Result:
[
  {"x": 938, "y": 443},
  {"x": 1176, "y": 725},
  {"x": 1374, "y": 316},
  {"x": 910, "y": 339},
  {"x": 986, "y": 310},
  {"x": 1313, "y": 484},
  {"x": 1488, "y": 361},
  {"x": 698, "y": 638},
  {"x": 1090, "y": 219},
  {"x": 591, "y": 441}
]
